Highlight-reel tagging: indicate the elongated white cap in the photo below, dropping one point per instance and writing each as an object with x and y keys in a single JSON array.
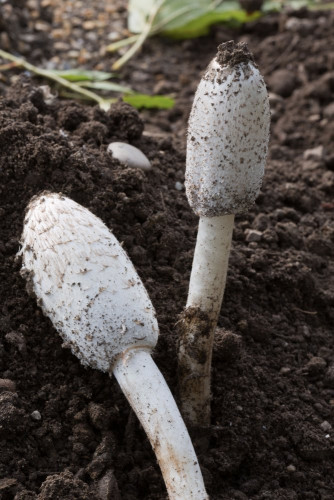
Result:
[
  {"x": 75, "y": 266},
  {"x": 228, "y": 134}
]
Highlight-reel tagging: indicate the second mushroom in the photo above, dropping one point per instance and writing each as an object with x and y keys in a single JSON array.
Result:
[{"x": 227, "y": 146}]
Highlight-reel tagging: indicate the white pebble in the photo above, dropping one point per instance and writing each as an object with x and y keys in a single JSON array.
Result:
[
  {"x": 314, "y": 153},
  {"x": 326, "y": 426},
  {"x": 275, "y": 98},
  {"x": 179, "y": 186},
  {"x": 48, "y": 97},
  {"x": 35, "y": 415},
  {"x": 253, "y": 235},
  {"x": 129, "y": 155}
]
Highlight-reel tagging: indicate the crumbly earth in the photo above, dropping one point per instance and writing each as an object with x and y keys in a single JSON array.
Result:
[{"x": 66, "y": 432}]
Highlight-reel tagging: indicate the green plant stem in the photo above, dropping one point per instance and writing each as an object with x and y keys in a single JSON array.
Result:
[
  {"x": 56, "y": 78},
  {"x": 140, "y": 40},
  {"x": 113, "y": 47}
]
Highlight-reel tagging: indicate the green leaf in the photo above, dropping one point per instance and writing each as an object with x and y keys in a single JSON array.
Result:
[
  {"x": 140, "y": 101},
  {"x": 171, "y": 14},
  {"x": 110, "y": 86},
  {"x": 81, "y": 75},
  {"x": 201, "y": 25},
  {"x": 186, "y": 18}
]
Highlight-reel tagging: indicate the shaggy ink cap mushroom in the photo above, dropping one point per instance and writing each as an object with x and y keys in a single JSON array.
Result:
[
  {"x": 228, "y": 134},
  {"x": 88, "y": 287},
  {"x": 227, "y": 146}
]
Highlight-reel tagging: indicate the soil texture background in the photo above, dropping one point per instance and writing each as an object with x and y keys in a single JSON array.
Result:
[{"x": 67, "y": 432}]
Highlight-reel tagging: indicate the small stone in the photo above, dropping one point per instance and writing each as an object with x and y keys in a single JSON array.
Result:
[
  {"x": 285, "y": 370},
  {"x": 275, "y": 98},
  {"x": 61, "y": 46},
  {"x": 113, "y": 36},
  {"x": 129, "y": 155},
  {"x": 35, "y": 415},
  {"x": 7, "y": 385},
  {"x": 42, "y": 26},
  {"x": 89, "y": 25},
  {"x": 179, "y": 186},
  {"x": 314, "y": 118},
  {"x": 48, "y": 97},
  {"x": 253, "y": 235},
  {"x": 291, "y": 468},
  {"x": 314, "y": 153},
  {"x": 326, "y": 426}
]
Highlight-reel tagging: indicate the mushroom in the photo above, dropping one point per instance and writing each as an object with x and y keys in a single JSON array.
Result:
[
  {"x": 86, "y": 284},
  {"x": 227, "y": 146}
]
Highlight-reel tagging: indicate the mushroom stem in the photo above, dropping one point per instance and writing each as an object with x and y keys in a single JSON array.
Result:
[
  {"x": 199, "y": 319},
  {"x": 227, "y": 146},
  {"x": 208, "y": 275},
  {"x": 148, "y": 394}
]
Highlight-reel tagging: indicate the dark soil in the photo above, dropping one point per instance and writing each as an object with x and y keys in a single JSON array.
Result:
[{"x": 67, "y": 432}]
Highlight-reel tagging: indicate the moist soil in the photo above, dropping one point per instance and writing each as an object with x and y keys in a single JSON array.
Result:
[{"x": 67, "y": 432}]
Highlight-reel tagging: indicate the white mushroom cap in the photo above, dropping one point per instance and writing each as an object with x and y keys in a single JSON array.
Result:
[
  {"x": 228, "y": 135},
  {"x": 75, "y": 267}
]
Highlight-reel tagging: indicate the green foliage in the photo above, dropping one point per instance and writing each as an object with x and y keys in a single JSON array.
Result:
[
  {"x": 184, "y": 18},
  {"x": 140, "y": 101},
  {"x": 72, "y": 84},
  {"x": 227, "y": 13},
  {"x": 82, "y": 75},
  {"x": 98, "y": 80},
  {"x": 180, "y": 19},
  {"x": 109, "y": 86}
]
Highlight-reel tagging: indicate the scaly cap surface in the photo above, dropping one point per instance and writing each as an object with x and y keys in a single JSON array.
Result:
[
  {"x": 228, "y": 134},
  {"x": 84, "y": 281}
]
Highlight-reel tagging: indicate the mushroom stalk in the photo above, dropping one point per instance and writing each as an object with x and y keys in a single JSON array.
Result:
[
  {"x": 150, "y": 398},
  {"x": 209, "y": 269},
  {"x": 86, "y": 284},
  {"x": 206, "y": 290},
  {"x": 227, "y": 146}
]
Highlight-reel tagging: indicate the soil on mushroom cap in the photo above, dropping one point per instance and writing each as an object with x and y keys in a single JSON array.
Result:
[{"x": 272, "y": 406}]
